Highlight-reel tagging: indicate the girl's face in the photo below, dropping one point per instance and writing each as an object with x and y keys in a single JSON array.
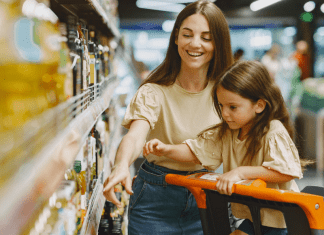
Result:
[
  {"x": 238, "y": 112},
  {"x": 195, "y": 45}
]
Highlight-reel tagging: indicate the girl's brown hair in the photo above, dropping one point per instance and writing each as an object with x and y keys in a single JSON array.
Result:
[
  {"x": 168, "y": 70},
  {"x": 251, "y": 80}
]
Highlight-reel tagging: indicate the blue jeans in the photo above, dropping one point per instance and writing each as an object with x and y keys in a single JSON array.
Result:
[
  {"x": 247, "y": 227},
  {"x": 160, "y": 208}
]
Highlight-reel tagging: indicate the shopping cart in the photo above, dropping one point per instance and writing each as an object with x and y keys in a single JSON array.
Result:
[{"x": 303, "y": 212}]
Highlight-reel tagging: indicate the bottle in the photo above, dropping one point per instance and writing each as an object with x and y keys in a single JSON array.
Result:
[
  {"x": 93, "y": 175},
  {"x": 99, "y": 134},
  {"x": 80, "y": 169},
  {"x": 64, "y": 77},
  {"x": 85, "y": 60},
  {"x": 98, "y": 53},
  {"x": 106, "y": 61},
  {"x": 93, "y": 71},
  {"x": 24, "y": 63},
  {"x": 77, "y": 70},
  {"x": 103, "y": 227}
]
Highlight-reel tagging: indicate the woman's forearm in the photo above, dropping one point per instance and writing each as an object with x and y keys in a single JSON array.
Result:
[
  {"x": 260, "y": 172},
  {"x": 132, "y": 143},
  {"x": 128, "y": 151}
]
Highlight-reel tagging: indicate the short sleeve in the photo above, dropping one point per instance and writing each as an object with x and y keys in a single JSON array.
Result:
[
  {"x": 145, "y": 105},
  {"x": 207, "y": 149},
  {"x": 283, "y": 155}
]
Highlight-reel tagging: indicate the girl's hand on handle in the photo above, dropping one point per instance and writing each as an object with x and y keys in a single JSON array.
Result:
[
  {"x": 120, "y": 174},
  {"x": 155, "y": 147},
  {"x": 226, "y": 181}
]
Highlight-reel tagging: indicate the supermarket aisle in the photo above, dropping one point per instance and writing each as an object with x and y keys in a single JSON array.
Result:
[
  {"x": 311, "y": 178},
  {"x": 62, "y": 88}
]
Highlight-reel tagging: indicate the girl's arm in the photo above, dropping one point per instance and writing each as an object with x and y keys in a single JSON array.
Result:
[
  {"x": 128, "y": 151},
  {"x": 226, "y": 180},
  {"x": 179, "y": 152}
]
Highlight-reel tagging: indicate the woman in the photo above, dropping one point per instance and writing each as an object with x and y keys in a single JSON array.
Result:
[{"x": 173, "y": 104}]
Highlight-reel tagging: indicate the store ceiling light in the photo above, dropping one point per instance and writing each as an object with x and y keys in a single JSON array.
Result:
[
  {"x": 167, "y": 25},
  {"x": 258, "y": 5},
  {"x": 322, "y": 8},
  {"x": 309, "y": 6},
  {"x": 177, "y": 1},
  {"x": 160, "y": 6}
]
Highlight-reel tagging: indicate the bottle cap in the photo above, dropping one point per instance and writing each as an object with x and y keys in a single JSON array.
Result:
[{"x": 77, "y": 166}]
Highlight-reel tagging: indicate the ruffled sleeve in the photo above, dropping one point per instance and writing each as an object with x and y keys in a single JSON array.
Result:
[
  {"x": 145, "y": 105},
  {"x": 282, "y": 155},
  {"x": 207, "y": 149}
]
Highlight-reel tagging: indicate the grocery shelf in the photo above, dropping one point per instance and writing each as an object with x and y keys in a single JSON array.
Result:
[
  {"x": 89, "y": 10},
  {"x": 97, "y": 201},
  {"x": 96, "y": 205},
  {"x": 48, "y": 149}
]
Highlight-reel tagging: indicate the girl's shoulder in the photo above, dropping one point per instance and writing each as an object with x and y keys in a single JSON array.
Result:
[
  {"x": 278, "y": 134},
  {"x": 212, "y": 133},
  {"x": 276, "y": 127}
]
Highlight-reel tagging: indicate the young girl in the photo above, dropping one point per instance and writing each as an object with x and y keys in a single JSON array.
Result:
[{"x": 254, "y": 140}]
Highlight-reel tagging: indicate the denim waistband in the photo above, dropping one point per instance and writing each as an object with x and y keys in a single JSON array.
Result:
[{"x": 155, "y": 174}]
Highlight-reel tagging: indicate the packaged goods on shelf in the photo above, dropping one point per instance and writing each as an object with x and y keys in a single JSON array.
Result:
[
  {"x": 54, "y": 144},
  {"x": 59, "y": 214},
  {"x": 29, "y": 62},
  {"x": 113, "y": 218}
]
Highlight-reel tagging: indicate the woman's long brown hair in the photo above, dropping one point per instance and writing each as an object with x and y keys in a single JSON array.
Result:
[
  {"x": 251, "y": 80},
  {"x": 167, "y": 72}
]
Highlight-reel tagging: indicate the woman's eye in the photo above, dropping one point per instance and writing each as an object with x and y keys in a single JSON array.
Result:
[
  {"x": 232, "y": 107},
  {"x": 206, "y": 39},
  {"x": 186, "y": 35}
]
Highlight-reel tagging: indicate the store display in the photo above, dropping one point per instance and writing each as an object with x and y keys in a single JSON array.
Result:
[
  {"x": 30, "y": 54},
  {"x": 54, "y": 139},
  {"x": 112, "y": 219}
]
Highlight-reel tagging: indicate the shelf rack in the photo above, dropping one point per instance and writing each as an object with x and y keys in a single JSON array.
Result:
[
  {"x": 38, "y": 176},
  {"x": 97, "y": 202},
  {"x": 41, "y": 151},
  {"x": 89, "y": 10}
]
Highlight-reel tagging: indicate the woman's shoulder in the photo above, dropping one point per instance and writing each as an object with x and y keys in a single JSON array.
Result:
[
  {"x": 149, "y": 89},
  {"x": 153, "y": 87}
]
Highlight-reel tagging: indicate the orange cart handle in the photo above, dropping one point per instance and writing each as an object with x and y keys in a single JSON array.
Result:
[{"x": 313, "y": 205}]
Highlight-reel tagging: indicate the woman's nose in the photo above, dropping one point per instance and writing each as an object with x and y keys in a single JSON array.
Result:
[{"x": 196, "y": 42}]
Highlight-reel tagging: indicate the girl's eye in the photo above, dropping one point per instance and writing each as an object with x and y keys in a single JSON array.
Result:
[
  {"x": 186, "y": 35},
  {"x": 232, "y": 107}
]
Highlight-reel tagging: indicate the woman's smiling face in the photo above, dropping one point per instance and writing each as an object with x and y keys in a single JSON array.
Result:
[{"x": 194, "y": 41}]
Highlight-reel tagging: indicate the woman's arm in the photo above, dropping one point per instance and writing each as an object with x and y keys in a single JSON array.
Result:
[
  {"x": 226, "y": 180},
  {"x": 179, "y": 152},
  {"x": 128, "y": 151}
]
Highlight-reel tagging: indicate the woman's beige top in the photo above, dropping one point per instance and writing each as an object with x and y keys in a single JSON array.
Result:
[
  {"x": 278, "y": 152},
  {"x": 174, "y": 115}
]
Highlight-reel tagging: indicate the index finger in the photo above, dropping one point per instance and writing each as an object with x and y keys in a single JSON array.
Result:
[
  {"x": 111, "y": 196},
  {"x": 109, "y": 191}
]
